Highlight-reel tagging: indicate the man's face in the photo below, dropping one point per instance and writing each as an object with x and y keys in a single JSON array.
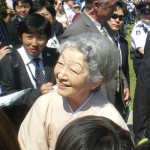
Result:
[
  {"x": 34, "y": 44},
  {"x": 117, "y": 20},
  {"x": 145, "y": 18},
  {"x": 104, "y": 10},
  {"x": 70, "y": 3},
  {"x": 44, "y": 12},
  {"x": 22, "y": 9}
]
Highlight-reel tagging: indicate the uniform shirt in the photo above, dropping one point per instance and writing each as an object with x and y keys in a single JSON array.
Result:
[
  {"x": 138, "y": 35},
  {"x": 52, "y": 112}
]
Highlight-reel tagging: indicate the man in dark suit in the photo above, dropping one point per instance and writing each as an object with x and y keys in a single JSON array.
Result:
[
  {"x": 21, "y": 8},
  {"x": 20, "y": 70},
  {"x": 141, "y": 107},
  {"x": 115, "y": 23}
]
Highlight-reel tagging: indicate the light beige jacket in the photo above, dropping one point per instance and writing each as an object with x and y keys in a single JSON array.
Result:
[{"x": 51, "y": 112}]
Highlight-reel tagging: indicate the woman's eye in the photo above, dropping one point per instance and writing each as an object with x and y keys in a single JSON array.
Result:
[
  {"x": 74, "y": 71},
  {"x": 60, "y": 63}
]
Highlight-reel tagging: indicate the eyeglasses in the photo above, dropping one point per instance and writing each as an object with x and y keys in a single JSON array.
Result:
[{"x": 115, "y": 16}]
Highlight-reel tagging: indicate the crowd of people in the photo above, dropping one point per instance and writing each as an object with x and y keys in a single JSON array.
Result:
[{"x": 72, "y": 56}]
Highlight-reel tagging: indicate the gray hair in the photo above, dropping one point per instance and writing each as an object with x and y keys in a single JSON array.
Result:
[
  {"x": 101, "y": 56},
  {"x": 88, "y": 3}
]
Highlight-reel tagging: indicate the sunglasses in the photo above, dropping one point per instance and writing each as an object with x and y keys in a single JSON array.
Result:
[{"x": 115, "y": 16}]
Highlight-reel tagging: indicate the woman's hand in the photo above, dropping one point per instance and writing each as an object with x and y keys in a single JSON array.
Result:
[{"x": 5, "y": 50}]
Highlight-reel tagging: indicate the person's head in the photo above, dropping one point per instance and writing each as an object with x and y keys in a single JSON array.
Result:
[
  {"x": 100, "y": 10},
  {"x": 86, "y": 61},
  {"x": 76, "y": 7},
  {"x": 93, "y": 133},
  {"x": 34, "y": 32},
  {"x": 118, "y": 17},
  {"x": 144, "y": 11},
  {"x": 70, "y": 3},
  {"x": 8, "y": 135},
  {"x": 22, "y": 7},
  {"x": 45, "y": 9}
]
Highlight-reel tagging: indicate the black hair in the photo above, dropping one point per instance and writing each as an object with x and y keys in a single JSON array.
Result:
[
  {"x": 122, "y": 5},
  {"x": 8, "y": 134},
  {"x": 93, "y": 133},
  {"x": 39, "y": 4},
  {"x": 15, "y": 2},
  {"x": 35, "y": 23}
]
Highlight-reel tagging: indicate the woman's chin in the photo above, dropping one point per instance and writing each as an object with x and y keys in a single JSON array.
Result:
[{"x": 61, "y": 92}]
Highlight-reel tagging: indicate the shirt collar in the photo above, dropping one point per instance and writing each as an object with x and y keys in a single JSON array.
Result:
[
  {"x": 25, "y": 56},
  {"x": 117, "y": 37},
  {"x": 97, "y": 24}
]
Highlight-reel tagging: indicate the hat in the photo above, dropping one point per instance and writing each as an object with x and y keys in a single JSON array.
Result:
[
  {"x": 76, "y": 5},
  {"x": 144, "y": 7}
]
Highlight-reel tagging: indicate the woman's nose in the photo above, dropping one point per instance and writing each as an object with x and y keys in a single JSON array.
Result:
[{"x": 63, "y": 73}]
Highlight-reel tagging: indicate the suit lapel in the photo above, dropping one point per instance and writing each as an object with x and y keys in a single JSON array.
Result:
[
  {"x": 89, "y": 23},
  {"x": 23, "y": 72},
  {"x": 109, "y": 32}
]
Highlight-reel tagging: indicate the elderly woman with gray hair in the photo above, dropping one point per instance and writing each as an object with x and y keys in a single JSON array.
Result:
[{"x": 86, "y": 62}]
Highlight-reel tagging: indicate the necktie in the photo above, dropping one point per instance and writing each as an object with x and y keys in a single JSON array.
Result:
[{"x": 39, "y": 75}]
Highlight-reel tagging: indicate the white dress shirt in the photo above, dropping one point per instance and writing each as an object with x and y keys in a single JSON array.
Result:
[{"x": 29, "y": 64}]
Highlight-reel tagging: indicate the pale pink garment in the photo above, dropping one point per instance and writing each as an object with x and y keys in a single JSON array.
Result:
[{"x": 50, "y": 113}]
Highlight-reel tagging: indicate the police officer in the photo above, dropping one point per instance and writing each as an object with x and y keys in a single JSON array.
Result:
[{"x": 139, "y": 34}]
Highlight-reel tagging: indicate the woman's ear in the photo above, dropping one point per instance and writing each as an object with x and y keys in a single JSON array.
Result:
[{"x": 97, "y": 83}]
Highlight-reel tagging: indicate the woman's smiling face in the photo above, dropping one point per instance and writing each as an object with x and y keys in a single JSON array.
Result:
[{"x": 71, "y": 72}]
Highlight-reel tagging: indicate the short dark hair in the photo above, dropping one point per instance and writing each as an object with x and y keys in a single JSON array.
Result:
[
  {"x": 93, "y": 133},
  {"x": 39, "y": 4},
  {"x": 15, "y": 2},
  {"x": 122, "y": 5},
  {"x": 35, "y": 23},
  {"x": 8, "y": 134}
]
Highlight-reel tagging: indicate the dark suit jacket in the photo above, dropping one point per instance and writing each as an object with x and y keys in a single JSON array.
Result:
[
  {"x": 124, "y": 50},
  {"x": 109, "y": 88},
  {"x": 2, "y": 23},
  {"x": 13, "y": 33},
  {"x": 15, "y": 78},
  {"x": 141, "y": 108},
  {"x": 58, "y": 28}
]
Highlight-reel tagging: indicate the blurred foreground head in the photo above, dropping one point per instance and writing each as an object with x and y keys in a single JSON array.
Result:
[{"x": 94, "y": 133}]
